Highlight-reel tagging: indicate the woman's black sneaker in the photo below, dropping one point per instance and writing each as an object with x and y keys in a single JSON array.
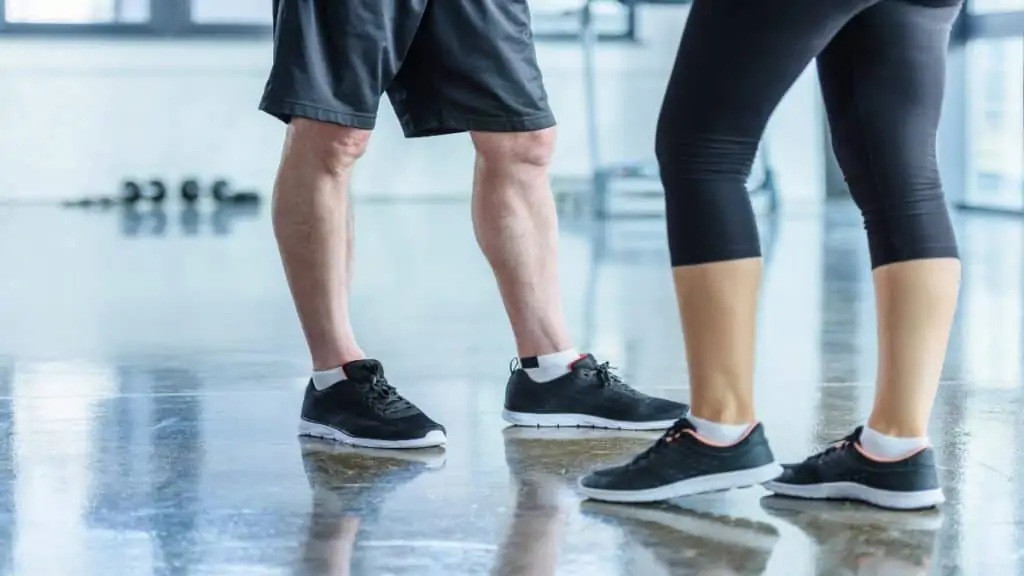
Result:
[
  {"x": 689, "y": 541},
  {"x": 680, "y": 463},
  {"x": 589, "y": 395},
  {"x": 845, "y": 472},
  {"x": 364, "y": 410},
  {"x": 854, "y": 538}
]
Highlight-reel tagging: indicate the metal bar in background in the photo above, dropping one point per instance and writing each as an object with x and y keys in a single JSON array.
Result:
[
  {"x": 223, "y": 32},
  {"x": 631, "y": 23},
  {"x": 588, "y": 36},
  {"x": 73, "y": 31},
  {"x": 990, "y": 210},
  {"x": 3, "y": 15},
  {"x": 170, "y": 17},
  {"x": 997, "y": 25},
  {"x": 959, "y": 34}
]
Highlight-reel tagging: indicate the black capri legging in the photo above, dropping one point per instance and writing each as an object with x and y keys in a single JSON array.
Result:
[{"x": 881, "y": 64}]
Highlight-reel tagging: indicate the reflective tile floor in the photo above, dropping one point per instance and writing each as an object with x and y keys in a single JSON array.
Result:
[{"x": 151, "y": 370}]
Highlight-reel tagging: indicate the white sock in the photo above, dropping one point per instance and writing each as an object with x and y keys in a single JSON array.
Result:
[
  {"x": 549, "y": 366},
  {"x": 718, "y": 433},
  {"x": 889, "y": 447},
  {"x": 324, "y": 379}
]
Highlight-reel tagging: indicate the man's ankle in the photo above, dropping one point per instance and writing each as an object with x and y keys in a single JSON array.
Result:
[{"x": 337, "y": 359}]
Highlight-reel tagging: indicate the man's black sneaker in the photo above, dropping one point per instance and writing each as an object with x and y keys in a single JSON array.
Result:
[
  {"x": 350, "y": 485},
  {"x": 855, "y": 538},
  {"x": 844, "y": 471},
  {"x": 355, "y": 481},
  {"x": 680, "y": 463},
  {"x": 589, "y": 395},
  {"x": 364, "y": 410},
  {"x": 689, "y": 541}
]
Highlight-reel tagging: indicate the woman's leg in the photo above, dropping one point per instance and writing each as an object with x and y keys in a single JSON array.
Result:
[
  {"x": 883, "y": 78},
  {"x": 736, "y": 60}
]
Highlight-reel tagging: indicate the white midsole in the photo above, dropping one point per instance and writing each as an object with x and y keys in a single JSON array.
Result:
[
  {"x": 853, "y": 491},
  {"x": 581, "y": 420},
  {"x": 688, "y": 487},
  {"x": 433, "y": 438}
]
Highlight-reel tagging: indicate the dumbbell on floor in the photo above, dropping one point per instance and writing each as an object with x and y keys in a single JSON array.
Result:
[
  {"x": 190, "y": 191},
  {"x": 222, "y": 193},
  {"x": 133, "y": 192}
]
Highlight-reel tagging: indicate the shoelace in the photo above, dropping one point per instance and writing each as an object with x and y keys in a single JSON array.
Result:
[
  {"x": 610, "y": 379},
  {"x": 835, "y": 446},
  {"x": 667, "y": 438},
  {"x": 383, "y": 397},
  {"x": 605, "y": 375}
]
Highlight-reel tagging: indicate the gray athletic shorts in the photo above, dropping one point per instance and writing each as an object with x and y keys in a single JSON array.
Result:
[{"x": 447, "y": 65}]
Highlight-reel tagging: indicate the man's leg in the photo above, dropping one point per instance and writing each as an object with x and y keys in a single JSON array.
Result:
[
  {"x": 517, "y": 228},
  {"x": 504, "y": 106},
  {"x": 313, "y": 225},
  {"x": 347, "y": 399}
]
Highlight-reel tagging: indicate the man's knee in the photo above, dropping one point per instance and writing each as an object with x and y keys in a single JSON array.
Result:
[
  {"x": 516, "y": 148},
  {"x": 333, "y": 148}
]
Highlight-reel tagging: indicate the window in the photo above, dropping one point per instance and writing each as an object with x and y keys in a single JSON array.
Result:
[
  {"x": 995, "y": 6},
  {"x": 562, "y": 17},
  {"x": 553, "y": 19},
  {"x": 232, "y": 11},
  {"x": 995, "y": 122},
  {"x": 76, "y": 11},
  {"x": 550, "y": 17}
]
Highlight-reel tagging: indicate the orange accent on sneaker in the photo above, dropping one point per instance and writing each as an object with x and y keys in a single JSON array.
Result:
[{"x": 578, "y": 358}]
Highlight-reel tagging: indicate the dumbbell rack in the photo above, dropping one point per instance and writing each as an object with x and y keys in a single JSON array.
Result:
[{"x": 606, "y": 175}]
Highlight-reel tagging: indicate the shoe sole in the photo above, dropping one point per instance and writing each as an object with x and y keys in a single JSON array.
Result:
[
  {"x": 577, "y": 433},
  {"x": 434, "y": 458},
  {"x": 581, "y": 421},
  {"x": 309, "y": 429},
  {"x": 689, "y": 487},
  {"x": 889, "y": 499}
]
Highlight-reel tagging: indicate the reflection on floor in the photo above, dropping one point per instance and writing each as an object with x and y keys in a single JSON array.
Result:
[{"x": 150, "y": 377}]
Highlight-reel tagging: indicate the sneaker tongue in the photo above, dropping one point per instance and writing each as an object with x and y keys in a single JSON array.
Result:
[
  {"x": 363, "y": 369},
  {"x": 584, "y": 361}
]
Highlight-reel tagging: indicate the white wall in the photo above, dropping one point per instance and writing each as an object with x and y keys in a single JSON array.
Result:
[{"x": 76, "y": 116}]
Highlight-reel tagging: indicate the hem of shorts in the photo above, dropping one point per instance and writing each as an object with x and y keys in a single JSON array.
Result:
[
  {"x": 454, "y": 126},
  {"x": 285, "y": 111}
]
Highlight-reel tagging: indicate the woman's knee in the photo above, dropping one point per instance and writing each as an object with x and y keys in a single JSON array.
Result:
[
  {"x": 707, "y": 205},
  {"x": 909, "y": 223},
  {"x": 689, "y": 154}
]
